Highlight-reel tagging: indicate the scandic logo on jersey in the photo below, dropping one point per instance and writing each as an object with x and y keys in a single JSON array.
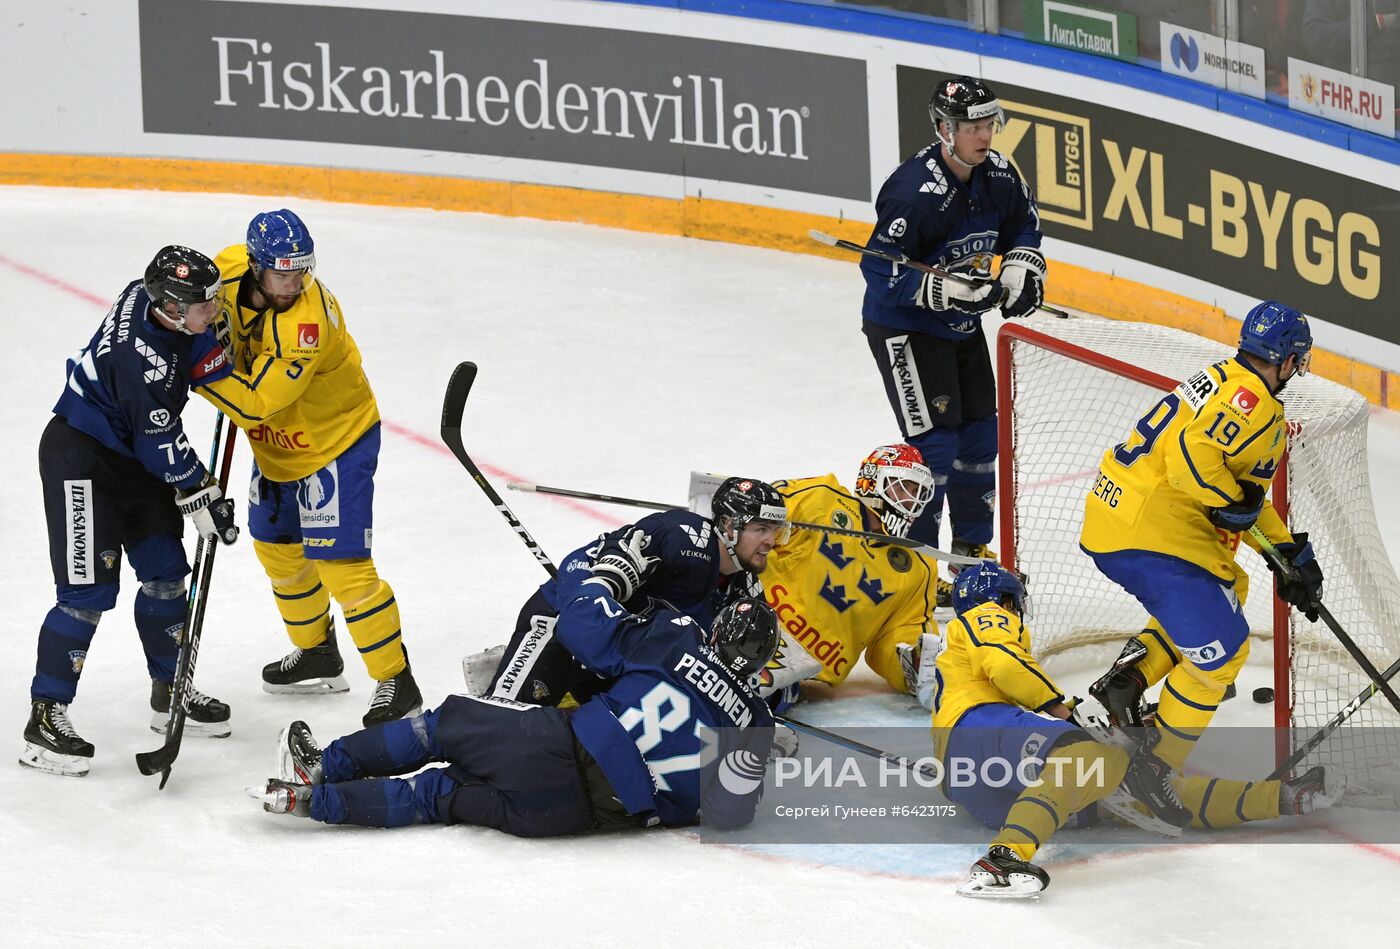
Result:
[
  {"x": 308, "y": 335},
  {"x": 1244, "y": 400}
]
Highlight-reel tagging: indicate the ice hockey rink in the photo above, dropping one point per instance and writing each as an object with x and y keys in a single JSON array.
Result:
[{"x": 610, "y": 361}]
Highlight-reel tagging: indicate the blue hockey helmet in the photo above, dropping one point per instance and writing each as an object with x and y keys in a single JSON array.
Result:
[
  {"x": 1273, "y": 332},
  {"x": 745, "y": 634},
  {"x": 278, "y": 240},
  {"x": 988, "y": 582}
]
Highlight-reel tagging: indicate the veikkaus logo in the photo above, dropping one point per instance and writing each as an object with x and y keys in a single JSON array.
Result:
[
  {"x": 156, "y": 367},
  {"x": 700, "y": 538},
  {"x": 696, "y": 111}
]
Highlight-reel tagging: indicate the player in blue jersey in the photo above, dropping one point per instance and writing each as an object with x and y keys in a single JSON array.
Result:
[
  {"x": 954, "y": 204},
  {"x": 117, "y": 473},
  {"x": 680, "y": 732},
  {"x": 692, "y": 563}
]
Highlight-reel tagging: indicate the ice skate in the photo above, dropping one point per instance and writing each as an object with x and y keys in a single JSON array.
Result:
[
  {"x": 283, "y": 797},
  {"x": 298, "y": 755},
  {"x": 394, "y": 698},
  {"x": 205, "y": 716},
  {"x": 1319, "y": 787},
  {"x": 1001, "y": 875},
  {"x": 311, "y": 671},
  {"x": 50, "y": 742}
]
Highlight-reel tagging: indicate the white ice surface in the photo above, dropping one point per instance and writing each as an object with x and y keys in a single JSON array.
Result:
[{"x": 610, "y": 361}]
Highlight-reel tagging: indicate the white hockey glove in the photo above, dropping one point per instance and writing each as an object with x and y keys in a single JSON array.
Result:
[
  {"x": 919, "y": 662},
  {"x": 211, "y": 512},
  {"x": 949, "y": 293},
  {"x": 1023, "y": 276},
  {"x": 621, "y": 566},
  {"x": 789, "y": 666},
  {"x": 784, "y": 743}
]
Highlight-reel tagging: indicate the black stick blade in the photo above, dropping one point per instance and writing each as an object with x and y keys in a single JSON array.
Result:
[{"x": 455, "y": 398}]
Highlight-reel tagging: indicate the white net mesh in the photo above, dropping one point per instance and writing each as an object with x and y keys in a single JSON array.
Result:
[{"x": 1066, "y": 413}]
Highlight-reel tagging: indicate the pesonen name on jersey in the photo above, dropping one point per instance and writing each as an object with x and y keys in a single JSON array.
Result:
[{"x": 713, "y": 684}]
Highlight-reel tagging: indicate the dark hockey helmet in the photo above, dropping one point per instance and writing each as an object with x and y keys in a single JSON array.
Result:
[
  {"x": 744, "y": 499},
  {"x": 989, "y": 582},
  {"x": 1273, "y": 332},
  {"x": 745, "y": 635},
  {"x": 278, "y": 240},
  {"x": 963, "y": 99},
  {"x": 181, "y": 276}
]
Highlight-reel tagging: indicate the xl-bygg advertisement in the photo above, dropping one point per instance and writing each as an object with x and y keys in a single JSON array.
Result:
[
  {"x": 1253, "y": 221},
  {"x": 583, "y": 95}
]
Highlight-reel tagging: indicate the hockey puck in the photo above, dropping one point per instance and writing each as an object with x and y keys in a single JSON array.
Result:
[{"x": 1263, "y": 695}]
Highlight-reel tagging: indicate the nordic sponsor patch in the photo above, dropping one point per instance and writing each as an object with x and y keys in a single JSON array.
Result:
[
  {"x": 1211, "y": 652},
  {"x": 308, "y": 335},
  {"x": 1244, "y": 400}
]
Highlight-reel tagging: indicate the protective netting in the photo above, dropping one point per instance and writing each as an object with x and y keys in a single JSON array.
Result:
[{"x": 1067, "y": 412}]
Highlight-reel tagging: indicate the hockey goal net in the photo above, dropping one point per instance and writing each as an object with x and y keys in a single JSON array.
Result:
[{"x": 1071, "y": 388}]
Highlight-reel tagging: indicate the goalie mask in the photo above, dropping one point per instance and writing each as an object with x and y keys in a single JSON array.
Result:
[
  {"x": 896, "y": 485},
  {"x": 745, "y": 635}
]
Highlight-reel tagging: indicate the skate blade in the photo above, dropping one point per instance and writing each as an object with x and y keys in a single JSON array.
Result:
[
  {"x": 51, "y": 762},
  {"x": 332, "y": 686},
  {"x": 159, "y": 721},
  {"x": 1019, "y": 889},
  {"x": 1122, "y": 805}
]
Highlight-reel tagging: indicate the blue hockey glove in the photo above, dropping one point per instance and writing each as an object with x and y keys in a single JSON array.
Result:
[
  {"x": 1023, "y": 276},
  {"x": 1305, "y": 592},
  {"x": 1241, "y": 515}
]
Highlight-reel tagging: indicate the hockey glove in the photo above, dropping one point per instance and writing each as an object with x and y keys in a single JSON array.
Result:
[
  {"x": 622, "y": 564},
  {"x": 1023, "y": 276},
  {"x": 950, "y": 293},
  {"x": 784, "y": 743},
  {"x": 1304, "y": 591},
  {"x": 1241, "y": 515},
  {"x": 918, "y": 661},
  {"x": 211, "y": 512}
]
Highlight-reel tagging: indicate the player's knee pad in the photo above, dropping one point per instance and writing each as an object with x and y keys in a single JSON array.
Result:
[
  {"x": 164, "y": 589},
  {"x": 977, "y": 441},
  {"x": 939, "y": 446},
  {"x": 284, "y": 564},
  {"x": 1161, "y": 656},
  {"x": 158, "y": 557},
  {"x": 351, "y": 582},
  {"x": 88, "y": 598}
]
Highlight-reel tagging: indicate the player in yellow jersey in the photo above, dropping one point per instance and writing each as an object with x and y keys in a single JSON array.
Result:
[
  {"x": 997, "y": 715},
  {"x": 300, "y": 392},
  {"x": 1164, "y": 521},
  {"x": 838, "y": 597}
]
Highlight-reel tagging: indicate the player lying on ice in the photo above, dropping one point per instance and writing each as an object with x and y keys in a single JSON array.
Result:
[
  {"x": 693, "y": 563},
  {"x": 679, "y": 732},
  {"x": 993, "y": 701}
]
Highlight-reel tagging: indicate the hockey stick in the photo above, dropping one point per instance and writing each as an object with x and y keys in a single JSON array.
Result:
[
  {"x": 1289, "y": 574},
  {"x": 905, "y": 261},
  {"x": 453, "y": 402},
  {"x": 931, "y": 552},
  {"x": 1333, "y": 723},
  {"x": 853, "y": 745},
  {"x": 160, "y": 760}
]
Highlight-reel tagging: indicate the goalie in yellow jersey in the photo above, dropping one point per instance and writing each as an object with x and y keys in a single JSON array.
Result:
[
  {"x": 1018, "y": 760},
  {"x": 300, "y": 393},
  {"x": 1164, "y": 521},
  {"x": 838, "y": 597}
]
